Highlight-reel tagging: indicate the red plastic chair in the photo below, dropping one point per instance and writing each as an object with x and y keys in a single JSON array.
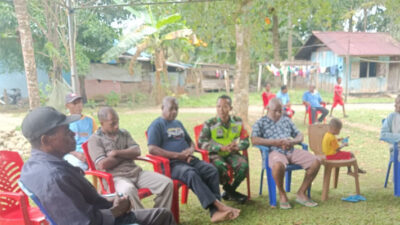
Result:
[
  {"x": 308, "y": 111},
  {"x": 166, "y": 170},
  {"x": 204, "y": 153},
  {"x": 143, "y": 192},
  {"x": 14, "y": 204}
]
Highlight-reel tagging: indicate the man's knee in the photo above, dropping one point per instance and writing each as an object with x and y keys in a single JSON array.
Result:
[{"x": 278, "y": 166}]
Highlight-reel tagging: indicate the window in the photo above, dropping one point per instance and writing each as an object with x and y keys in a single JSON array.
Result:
[{"x": 367, "y": 69}]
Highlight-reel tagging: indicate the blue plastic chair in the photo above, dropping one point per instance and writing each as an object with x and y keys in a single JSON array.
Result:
[
  {"x": 264, "y": 150},
  {"x": 37, "y": 202},
  {"x": 396, "y": 169}
]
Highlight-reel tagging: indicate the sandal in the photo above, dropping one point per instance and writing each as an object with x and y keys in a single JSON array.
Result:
[
  {"x": 284, "y": 205},
  {"x": 307, "y": 203}
]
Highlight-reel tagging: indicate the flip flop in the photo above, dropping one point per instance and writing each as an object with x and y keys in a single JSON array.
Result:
[
  {"x": 284, "y": 205},
  {"x": 354, "y": 198},
  {"x": 307, "y": 203}
]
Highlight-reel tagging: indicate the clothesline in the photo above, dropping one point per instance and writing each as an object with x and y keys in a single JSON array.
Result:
[{"x": 377, "y": 61}]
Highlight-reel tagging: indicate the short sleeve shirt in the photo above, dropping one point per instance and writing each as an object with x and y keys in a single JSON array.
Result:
[
  {"x": 168, "y": 135},
  {"x": 269, "y": 129},
  {"x": 83, "y": 129},
  {"x": 100, "y": 144},
  {"x": 313, "y": 98},
  {"x": 283, "y": 97},
  {"x": 329, "y": 144},
  {"x": 338, "y": 91}
]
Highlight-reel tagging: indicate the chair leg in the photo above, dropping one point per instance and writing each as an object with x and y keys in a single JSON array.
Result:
[
  {"x": 355, "y": 166},
  {"x": 336, "y": 177},
  {"x": 261, "y": 181},
  {"x": 175, "y": 201},
  {"x": 185, "y": 192},
  {"x": 325, "y": 187},
  {"x": 248, "y": 185},
  {"x": 387, "y": 174},
  {"x": 271, "y": 188},
  {"x": 288, "y": 180}
]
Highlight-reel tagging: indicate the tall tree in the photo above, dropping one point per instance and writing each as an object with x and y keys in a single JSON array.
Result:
[{"x": 25, "y": 34}]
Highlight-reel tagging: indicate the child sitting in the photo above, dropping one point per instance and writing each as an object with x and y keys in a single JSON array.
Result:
[{"x": 331, "y": 148}]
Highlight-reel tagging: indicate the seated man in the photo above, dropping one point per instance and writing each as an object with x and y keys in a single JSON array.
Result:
[
  {"x": 283, "y": 96},
  {"x": 82, "y": 128},
  {"x": 168, "y": 138},
  {"x": 224, "y": 136},
  {"x": 113, "y": 150},
  {"x": 280, "y": 134},
  {"x": 313, "y": 99},
  {"x": 62, "y": 189},
  {"x": 390, "y": 131}
]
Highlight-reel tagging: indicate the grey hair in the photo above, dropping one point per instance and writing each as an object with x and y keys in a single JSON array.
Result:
[
  {"x": 169, "y": 99},
  {"x": 103, "y": 113}
]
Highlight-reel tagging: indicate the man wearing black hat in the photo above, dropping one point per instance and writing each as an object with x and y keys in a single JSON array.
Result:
[{"x": 61, "y": 188}]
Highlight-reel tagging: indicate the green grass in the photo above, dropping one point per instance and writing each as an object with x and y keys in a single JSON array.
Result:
[
  {"x": 381, "y": 206},
  {"x": 209, "y": 99}
]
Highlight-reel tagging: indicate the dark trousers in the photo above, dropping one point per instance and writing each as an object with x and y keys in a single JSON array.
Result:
[
  {"x": 201, "y": 177},
  {"x": 158, "y": 216},
  {"x": 314, "y": 111}
]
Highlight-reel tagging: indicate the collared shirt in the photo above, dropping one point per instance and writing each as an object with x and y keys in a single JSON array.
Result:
[
  {"x": 64, "y": 192},
  {"x": 313, "y": 98},
  {"x": 168, "y": 135},
  {"x": 225, "y": 133},
  {"x": 282, "y": 129},
  {"x": 284, "y": 97},
  {"x": 100, "y": 144}
]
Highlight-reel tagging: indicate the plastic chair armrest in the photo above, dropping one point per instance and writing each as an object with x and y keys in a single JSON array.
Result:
[
  {"x": 106, "y": 176},
  {"x": 204, "y": 154},
  {"x": 19, "y": 196},
  {"x": 164, "y": 162},
  {"x": 157, "y": 164}
]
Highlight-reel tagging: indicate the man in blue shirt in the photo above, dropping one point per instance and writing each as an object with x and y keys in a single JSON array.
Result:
[
  {"x": 312, "y": 99},
  {"x": 168, "y": 138},
  {"x": 283, "y": 96},
  {"x": 62, "y": 189},
  {"x": 390, "y": 131}
]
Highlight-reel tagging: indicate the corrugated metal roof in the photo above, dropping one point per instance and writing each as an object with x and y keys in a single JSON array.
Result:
[{"x": 352, "y": 43}]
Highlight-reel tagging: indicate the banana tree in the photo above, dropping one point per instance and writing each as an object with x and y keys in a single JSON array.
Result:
[{"x": 152, "y": 36}]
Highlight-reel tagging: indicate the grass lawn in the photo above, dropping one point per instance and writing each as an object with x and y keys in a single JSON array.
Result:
[
  {"x": 209, "y": 99},
  {"x": 363, "y": 128}
]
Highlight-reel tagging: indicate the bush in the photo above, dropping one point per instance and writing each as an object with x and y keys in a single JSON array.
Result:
[
  {"x": 113, "y": 99},
  {"x": 91, "y": 103},
  {"x": 140, "y": 97}
]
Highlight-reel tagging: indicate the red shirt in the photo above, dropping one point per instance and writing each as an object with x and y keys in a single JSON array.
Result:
[
  {"x": 266, "y": 97},
  {"x": 338, "y": 91}
]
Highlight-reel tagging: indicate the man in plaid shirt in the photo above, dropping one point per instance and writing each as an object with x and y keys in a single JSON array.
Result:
[{"x": 280, "y": 134}]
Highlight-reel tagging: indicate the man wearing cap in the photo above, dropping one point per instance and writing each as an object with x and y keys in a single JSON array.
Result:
[
  {"x": 83, "y": 129},
  {"x": 62, "y": 189},
  {"x": 113, "y": 150}
]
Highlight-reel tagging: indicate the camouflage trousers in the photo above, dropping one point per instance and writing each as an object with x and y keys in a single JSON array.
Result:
[{"x": 239, "y": 165}]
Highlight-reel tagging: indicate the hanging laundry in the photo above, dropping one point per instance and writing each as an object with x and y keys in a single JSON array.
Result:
[
  {"x": 328, "y": 69},
  {"x": 333, "y": 70}
]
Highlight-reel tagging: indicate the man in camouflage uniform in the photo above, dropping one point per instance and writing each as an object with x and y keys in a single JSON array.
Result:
[{"x": 224, "y": 136}]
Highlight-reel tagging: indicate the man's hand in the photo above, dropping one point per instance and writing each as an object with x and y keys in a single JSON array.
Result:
[
  {"x": 112, "y": 153},
  {"x": 186, "y": 155},
  {"x": 234, "y": 147},
  {"x": 286, "y": 144},
  {"x": 120, "y": 206}
]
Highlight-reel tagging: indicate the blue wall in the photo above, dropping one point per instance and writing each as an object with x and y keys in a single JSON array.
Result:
[{"x": 18, "y": 80}]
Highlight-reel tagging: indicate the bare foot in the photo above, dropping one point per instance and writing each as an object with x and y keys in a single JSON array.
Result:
[{"x": 220, "y": 216}]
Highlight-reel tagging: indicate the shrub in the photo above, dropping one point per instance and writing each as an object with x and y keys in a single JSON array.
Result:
[{"x": 113, "y": 99}]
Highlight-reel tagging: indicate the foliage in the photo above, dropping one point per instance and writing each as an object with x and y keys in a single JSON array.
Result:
[
  {"x": 113, "y": 99},
  {"x": 140, "y": 98},
  {"x": 91, "y": 103},
  {"x": 44, "y": 92}
]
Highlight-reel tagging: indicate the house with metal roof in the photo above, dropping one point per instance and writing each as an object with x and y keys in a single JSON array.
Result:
[{"x": 367, "y": 62}]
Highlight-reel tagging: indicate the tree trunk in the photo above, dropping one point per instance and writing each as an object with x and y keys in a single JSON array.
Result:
[
  {"x": 275, "y": 37},
  {"x": 25, "y": 34},
  {"x": 241, "y": 89},
  {"x": 290, "y": 37},
  {"x": 365, "y": 20},
  {"x": 159, "y": 62},
  {"x": 351, "y": 23}
]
